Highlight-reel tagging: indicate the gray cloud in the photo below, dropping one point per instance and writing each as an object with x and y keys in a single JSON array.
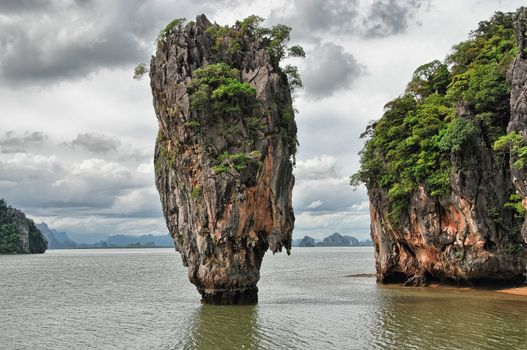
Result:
[
  {"x": 321, "y": 187},
  {"x": 47, "y": 185},
  {"x": 314, "y": 19},
  {"x": 9, "y": 143},
  {"x": 80, "y": 194},
  {"x": 389, "y": 17},
  {"x": 324, "y": 201},
  {"x": 17, "y": 6},
  {"x": 311, "y": 18},
  {"x": 49, "y": 41},
  {"x": 329, "y": 69},
  {"x": 52, "y": 41},
  {"x": 95, "y": 143},
  {"x": 45, "y": 41}
]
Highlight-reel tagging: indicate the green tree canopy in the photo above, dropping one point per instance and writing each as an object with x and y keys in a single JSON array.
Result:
[{"x": 411, "y": 144}]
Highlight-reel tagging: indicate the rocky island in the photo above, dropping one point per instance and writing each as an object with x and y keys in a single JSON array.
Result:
[
  {"x": 445, "y": 166},
  {"x": 225, "y": 150},
  {"x": 18, "y": 234}
]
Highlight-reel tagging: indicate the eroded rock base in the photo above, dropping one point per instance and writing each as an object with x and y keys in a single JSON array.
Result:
[
  {"x": 426, "y": 280},
  {"x": 247, "y": 296}
]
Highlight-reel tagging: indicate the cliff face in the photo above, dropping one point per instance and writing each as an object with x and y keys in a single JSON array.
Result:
[
  {"x": 464, "y": 237},
  {"x": 223, "y": 158},
  {"x": 18, "y": 234},
  {"x": 468, "y": 232},
  {"x": 517, "y": 77}
]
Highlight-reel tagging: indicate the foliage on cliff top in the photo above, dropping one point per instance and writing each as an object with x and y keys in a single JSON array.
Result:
[
  {"x": 411, "y": 144},
  {"x": 176, "y": 23},
  {"x": 230, "y": 42}
]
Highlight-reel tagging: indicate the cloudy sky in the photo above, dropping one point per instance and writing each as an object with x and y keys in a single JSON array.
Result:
[{"x": 77, "y": 132}]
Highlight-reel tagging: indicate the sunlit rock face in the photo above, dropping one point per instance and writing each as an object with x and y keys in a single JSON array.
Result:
[{"x": 224, "y": 156}]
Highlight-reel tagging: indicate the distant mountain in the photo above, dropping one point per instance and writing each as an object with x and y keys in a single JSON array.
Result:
[
  {"x": 333, "y": 240},
  {"x": 56, "y": 239},
  {"x": 151, "y": 240},
  {"x": 367, "y": 242},
  {"x": 62, "y": 240},
  {"x": 307, "y": 242},
  {"x": 296, "y": 242},
  {"x": 336, "y": 239},
  {"x": 88, "y": 238}
]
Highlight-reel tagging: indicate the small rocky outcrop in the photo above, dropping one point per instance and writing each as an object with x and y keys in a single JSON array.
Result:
[
  {"x": 307, "y": 242},
  {"x": 451, "y": 215},
  {"x": 18, "y": 234},
  {"x": 336, "y": 240},
  {"x": 225, "y": 151}
]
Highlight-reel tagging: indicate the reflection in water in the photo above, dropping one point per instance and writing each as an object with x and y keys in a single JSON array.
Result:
[
  {"x": 445, "y": 319},
  {"x": 219, "y": 327}
]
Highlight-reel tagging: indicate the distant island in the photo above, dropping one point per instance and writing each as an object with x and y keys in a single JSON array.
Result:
[
  {"x": 18, "y": 234},
  {"x": 333, "y": 240},
  {"x": 61, "y": 240}
]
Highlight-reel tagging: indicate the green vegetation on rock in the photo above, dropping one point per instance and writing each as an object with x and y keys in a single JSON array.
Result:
[
  {"x": 13, "y": 226},
  {"x": 140, "y": 70},
  {"x": 37, "y": 242},
  {"x": 513, "y": 144},
  {"x": 237, "y": 161},
  {"x": 169, "y": 28},
  {"x": 515, "y": 202},
  {"x": 446, "y": 104},
  {"x": 229, "y": 42},
  {"x": 216, "y": 90},
  {"x": 196, "y": 192},
  {"x": 10, "y": 240}
]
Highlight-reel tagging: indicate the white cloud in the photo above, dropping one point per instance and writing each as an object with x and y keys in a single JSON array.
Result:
[
  {"x": 316, "y": 168},
  {"x": 344, "y": 222},
  {"x": 146, "y": 168},
  {"x": 96, "y": 143},
  {"x": 315, "y": 204},
  {"x": 328, "y": 70},
  {"x": 28, "y": 167}
]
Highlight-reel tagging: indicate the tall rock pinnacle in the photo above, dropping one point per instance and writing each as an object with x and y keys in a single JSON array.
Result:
[{"x": 225, "y": 150}]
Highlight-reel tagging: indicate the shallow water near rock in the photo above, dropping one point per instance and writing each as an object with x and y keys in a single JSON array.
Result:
[{"x": 141, "y": 299}]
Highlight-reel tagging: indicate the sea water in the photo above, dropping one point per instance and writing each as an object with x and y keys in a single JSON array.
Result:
[{"x": 141, "y": 299}]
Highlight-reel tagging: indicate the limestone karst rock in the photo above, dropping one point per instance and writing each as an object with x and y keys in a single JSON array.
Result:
[
  {"x": 225, "y": 152},
  {"x": 18, "y": 234},
  {"x": 517, "y": 77},
  {"x": 442, "y": 196}
]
